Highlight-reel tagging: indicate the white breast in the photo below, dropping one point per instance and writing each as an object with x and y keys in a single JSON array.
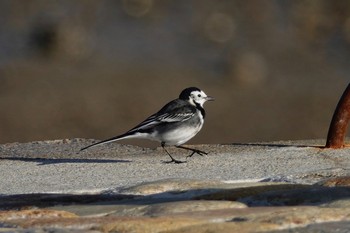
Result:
[{"x": 183, "y": 133}]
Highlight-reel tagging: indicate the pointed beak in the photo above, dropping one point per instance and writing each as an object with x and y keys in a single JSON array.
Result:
[{"x": 209, "y": 98}]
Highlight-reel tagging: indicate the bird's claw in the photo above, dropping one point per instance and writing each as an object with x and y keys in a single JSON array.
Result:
[
  {"x": 199, "y": 152},
  {"x": 175, "y": 161}
]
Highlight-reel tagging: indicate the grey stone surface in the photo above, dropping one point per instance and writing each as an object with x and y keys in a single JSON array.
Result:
[
  {"x": 262, "y": 187},
  {"x": 58, "y": 167}
]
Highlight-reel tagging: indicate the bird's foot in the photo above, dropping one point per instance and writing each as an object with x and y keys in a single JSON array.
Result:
[
  {"x": 194, "y": 151},
  {"x": 175, "y": 161},
  {"x": 172, "y": 159}
]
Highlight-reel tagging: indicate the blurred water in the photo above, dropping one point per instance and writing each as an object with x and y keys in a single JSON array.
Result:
[{"x": 96, "y": 68}]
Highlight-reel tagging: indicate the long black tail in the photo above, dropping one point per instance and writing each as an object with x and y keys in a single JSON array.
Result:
[{"x": 109, "y": 140}]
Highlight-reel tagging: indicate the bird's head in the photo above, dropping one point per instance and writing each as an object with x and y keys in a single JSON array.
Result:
[{"x": 195, "y": 96}]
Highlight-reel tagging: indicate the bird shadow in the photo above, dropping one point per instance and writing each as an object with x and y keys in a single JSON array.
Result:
[{"x": 48, "y": 161}]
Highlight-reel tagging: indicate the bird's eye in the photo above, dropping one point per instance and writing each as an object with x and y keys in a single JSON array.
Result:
[{"x": 199, "y": 95}]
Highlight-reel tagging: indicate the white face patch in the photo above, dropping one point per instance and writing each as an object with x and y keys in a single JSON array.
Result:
[{"x": 198, "y": 97}]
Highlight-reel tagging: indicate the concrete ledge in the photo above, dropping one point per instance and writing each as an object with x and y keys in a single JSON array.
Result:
[
  {"x": 58, "y": 167},
  {"x": 49, "y": 186}
]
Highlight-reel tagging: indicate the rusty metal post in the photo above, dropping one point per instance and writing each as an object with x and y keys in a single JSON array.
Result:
[{"x": 340, "y": 121}]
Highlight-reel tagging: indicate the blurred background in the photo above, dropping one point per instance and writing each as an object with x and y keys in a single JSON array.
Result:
[{"x": 94, "y": 69}]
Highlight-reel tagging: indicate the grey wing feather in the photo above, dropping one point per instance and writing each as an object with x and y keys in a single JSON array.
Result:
[
  {"x": 175, "y": 117},
  {"x": 174, "y": 111}
]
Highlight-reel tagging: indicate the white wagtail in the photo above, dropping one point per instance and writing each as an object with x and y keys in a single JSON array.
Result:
[{"x": 173, "y": 125}]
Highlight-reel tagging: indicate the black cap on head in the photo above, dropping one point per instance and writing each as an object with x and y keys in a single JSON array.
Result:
[{"x": 185, "y": 94}]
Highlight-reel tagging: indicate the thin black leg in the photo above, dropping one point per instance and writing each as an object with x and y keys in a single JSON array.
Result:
[
  {"x": 194, "y": 151},
  {"x": 172, "y": 159}
]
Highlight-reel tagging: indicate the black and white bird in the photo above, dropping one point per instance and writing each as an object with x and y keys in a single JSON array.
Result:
[{"x": 173, "y": 125}]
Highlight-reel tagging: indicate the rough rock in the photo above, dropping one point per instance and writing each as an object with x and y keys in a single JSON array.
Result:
[{"x": 262, "y": 187}]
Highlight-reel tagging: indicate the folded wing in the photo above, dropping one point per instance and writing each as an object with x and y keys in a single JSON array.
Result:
[{"x": 175, "y": 111}]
